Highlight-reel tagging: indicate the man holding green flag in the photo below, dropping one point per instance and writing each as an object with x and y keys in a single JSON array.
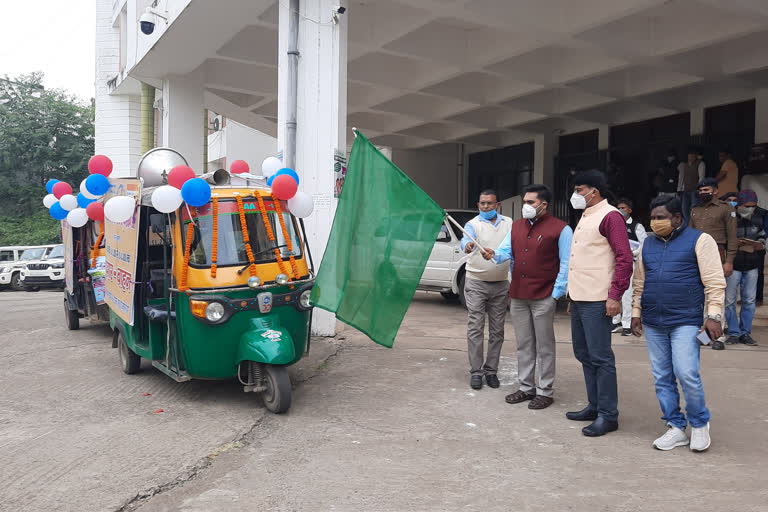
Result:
[{"x": 382, "y": 235}]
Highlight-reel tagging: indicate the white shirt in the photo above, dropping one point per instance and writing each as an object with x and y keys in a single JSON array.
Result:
[{"x": 681, "y": 171}]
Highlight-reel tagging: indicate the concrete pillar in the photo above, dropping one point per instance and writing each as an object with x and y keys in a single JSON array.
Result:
[
  {"x": 697, "y": 121},
  {"x": 182, "y": 111},
  {"x": 761, "y": 116},
  {"x": 603, "y": 137},
  {"x": 546, "y": 147},
  {"x": 321, "y": 120}
]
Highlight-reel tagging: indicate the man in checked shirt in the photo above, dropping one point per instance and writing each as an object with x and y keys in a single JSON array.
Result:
[{"x": 599, "y": 271}]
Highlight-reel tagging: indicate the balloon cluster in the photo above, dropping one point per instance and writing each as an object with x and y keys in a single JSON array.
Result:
[
  {"x": 182, "y": 186},
  {"x": 77, "y": 209},
  {"x": 285, "y": 186}
]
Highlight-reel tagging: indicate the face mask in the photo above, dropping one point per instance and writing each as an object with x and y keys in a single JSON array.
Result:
[
  {"x": 578, "y": 201},
  {"x": 662, "y": 227},
  {"x": 529, "y": 212},
  {"x": 624, "y": 213},
  {"x": 705, "y": 198},
  {"x": 733, "y": 203},
  {"x": 488, "y": 215},
  {"x": 746, "y": 211}
]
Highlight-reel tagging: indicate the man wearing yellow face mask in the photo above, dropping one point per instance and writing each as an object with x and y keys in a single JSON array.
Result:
[{"x": 676, "y": 269}]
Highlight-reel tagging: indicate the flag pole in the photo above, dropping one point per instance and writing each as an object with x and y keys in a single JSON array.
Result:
[{"x": 467, "y": 234}]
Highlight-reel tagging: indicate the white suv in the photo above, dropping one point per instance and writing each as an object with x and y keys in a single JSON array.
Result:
[
  {"x": 46, "y": 272},
  {"x": 444, "y": 271},
  {"x": 12, "y": 260}
]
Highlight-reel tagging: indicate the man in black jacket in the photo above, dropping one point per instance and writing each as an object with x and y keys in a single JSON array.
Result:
[{"x": 751, "y": 235}]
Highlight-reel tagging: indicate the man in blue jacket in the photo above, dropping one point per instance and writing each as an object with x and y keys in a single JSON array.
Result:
[{"x": 676, "y": 268}]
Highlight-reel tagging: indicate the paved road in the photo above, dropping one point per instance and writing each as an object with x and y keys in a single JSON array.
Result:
[{"x": 370, "y": 429}]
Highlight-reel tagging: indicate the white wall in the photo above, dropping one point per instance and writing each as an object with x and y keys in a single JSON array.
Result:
[
  {"x": 244, "y": 143},
  {"x": 435, "y": 170}
]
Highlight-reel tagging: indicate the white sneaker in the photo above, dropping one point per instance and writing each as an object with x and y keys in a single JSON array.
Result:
[
  {"x": 700, "y": 440},
  {"x": 673, "y": 438}
]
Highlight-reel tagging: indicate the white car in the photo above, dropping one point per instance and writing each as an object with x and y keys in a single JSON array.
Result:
[
  {"x": 46, "y": 272},
  {"x": 12, "y": 260},
  {"x": 444, "y": 271}
]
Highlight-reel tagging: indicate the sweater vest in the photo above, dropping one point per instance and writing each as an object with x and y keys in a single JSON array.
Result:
[
  {"x": 673, "y": 293},
  {"x": 592, "y": 262},
  {"x": 536, "y": 254},
  {"x": 490, "y": 237}
]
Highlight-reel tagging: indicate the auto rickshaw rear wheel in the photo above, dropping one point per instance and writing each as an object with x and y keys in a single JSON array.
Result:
[
  {"x": 72, "y": 317},
  {"x": 277, "y": 397},
  {"x": 130, "y": 361}
]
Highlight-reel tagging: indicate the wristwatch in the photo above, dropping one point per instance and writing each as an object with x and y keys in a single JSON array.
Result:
[{"x": 716, "y": 318}]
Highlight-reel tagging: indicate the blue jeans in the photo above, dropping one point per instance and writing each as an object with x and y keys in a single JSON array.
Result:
[
  {"x": 674, "y": 354},
  {"x": 739, "y": 325},
  {"x": 591, "y": 333}
]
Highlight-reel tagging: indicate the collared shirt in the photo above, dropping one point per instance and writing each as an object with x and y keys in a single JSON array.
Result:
[
  {"x": 504, "y": 253},
  {"x": 710, "y": 269},
  {"x": 717, "y": 219},
  {"x": 469, "y": 229},
  {"x": 614, "y": 230},
  {"x": 641, "y": 235},
  {"x": 730, "y": 179}
]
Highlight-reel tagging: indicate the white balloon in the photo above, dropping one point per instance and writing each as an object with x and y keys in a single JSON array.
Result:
[
  {"x": 68, "y": 202},
  {"x": 270, "y": 166},
  {"x": 166, "y": 199},
  {"x": 301, "y": 205},
  {"x": 77, "y": 217},
  {"x": 49, "y": 200},
  {"x": 85, "y": 192},
  {"x": 119, "y": 209}
]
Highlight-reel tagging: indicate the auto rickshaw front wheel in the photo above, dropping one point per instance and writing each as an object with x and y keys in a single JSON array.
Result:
[
  {"x": 130, "y": 361},
  {"x": 277, "y": 396}
]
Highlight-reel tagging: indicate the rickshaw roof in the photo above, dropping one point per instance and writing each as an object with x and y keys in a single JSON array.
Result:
[{"x": 223, "y": 191}]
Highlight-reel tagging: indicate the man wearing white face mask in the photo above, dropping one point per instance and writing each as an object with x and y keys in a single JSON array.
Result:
[{"x": 538, "y": 247}]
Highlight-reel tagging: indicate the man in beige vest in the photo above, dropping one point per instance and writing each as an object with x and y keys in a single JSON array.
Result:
[
  {"x": 599, "y": 271},
  {"x": 486, "y": 286}
]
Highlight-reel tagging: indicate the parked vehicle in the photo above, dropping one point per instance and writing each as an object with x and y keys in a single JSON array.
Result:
[
  {"x": 444, "y": 271},
  {"x": 44, "y": 272},
  {"x": 11, "y": 264},
  {"x": 85, "y": 274}
]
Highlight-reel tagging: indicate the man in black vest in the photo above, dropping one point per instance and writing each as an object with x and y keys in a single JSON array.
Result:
[{"x": 636, "y": 234}]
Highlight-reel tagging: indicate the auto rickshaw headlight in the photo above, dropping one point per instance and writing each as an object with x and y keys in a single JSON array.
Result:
[
  {"x": 281, "y": 279},
  {"x": 254, "y": 282},
  {"x": 214, "y": 312},
  {"x": 304, "y": 299}
]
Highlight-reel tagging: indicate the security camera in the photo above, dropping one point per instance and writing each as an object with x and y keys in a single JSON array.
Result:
[
  {"x": 147, "y": 20},
  {"x": 341, "y": 10},
  {"x": 337, "y": 11}
]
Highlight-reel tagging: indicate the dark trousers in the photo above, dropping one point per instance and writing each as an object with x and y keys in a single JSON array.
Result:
[
  {"x": 760, "y": 279},
  {"x": 591, "y": 333}
]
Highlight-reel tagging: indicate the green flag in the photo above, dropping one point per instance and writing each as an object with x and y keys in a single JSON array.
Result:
[{"x": 382, "y": 235}]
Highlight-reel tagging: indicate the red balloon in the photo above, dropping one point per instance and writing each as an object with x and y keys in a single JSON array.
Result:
[
  {"x": 61, "y": 188},
  {"x": 284, "y": 187},
  {"x": 100, "y": 164},
  {"x": 95, "y": 211},
  {"x": 239, "y": 167},
  {"x": 179, "y": 175}
]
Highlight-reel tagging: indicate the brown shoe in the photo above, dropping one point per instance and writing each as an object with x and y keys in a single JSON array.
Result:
[
  {"x": 519, "y": 396},
  {"x": 540, "y": 402}
]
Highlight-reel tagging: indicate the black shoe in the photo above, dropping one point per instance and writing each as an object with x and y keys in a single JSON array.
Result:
[
  {"x": 616, "y": 328},
  {"x": 732, "y": 340},
  {"x": 492, "y": 380},
  {"x": 626, "y": 332},
  {"x": 747, "y": 340},
  {"x": 600, "y": 427},
  {"x": 718, "y": 345},
  {"x": 476, "y": 382},
  {"x": 586, "y": 414}
]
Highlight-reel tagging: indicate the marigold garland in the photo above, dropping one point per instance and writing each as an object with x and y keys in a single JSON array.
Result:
[
  {"x": 288, "y": 243},
  {"x": 95, "y": 252},
  {"x": 246, "y": 236},
  {"x": 271, "y": 234},
  {"x": 187, "y": 248},
  {"x": 215, "y": 235}
]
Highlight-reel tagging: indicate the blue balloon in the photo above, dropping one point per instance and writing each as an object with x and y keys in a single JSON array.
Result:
[
  {"x": 196, "y": 192},
  {"x": 285, "y": 170},
  {"x": 83, "y": 201},
  {"x": 271, "y": 179},
  {"x": 49, "y": 185},
  {"x": 57, "y": 212},
  {"x": 97, "y": 184}
]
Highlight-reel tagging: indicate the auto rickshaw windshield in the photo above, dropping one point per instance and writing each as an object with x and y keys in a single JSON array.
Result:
[{"x": 231, "y": 245}]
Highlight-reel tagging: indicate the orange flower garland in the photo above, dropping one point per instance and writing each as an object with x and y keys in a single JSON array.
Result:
[
  {"x": 271, "y": 234},
  {"x": 215, "y": 242},
  {"x": 187, "y": 248},
  {"x": 288, "y": 243},
  {"x": 246, "y": 237},
  {"x": 95, "y": 252}
]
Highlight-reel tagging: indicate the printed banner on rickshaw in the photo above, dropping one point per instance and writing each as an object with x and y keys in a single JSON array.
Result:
[
  {"x": 69, "y": 266},
  {"x": 121, "y": 244}
]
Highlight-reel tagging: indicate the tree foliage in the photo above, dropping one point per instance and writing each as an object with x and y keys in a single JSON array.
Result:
[{"x": 44, "y": 134}]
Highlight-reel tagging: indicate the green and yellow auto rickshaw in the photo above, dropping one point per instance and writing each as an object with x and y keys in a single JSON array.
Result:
[{"x": 218, "y": 292}]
